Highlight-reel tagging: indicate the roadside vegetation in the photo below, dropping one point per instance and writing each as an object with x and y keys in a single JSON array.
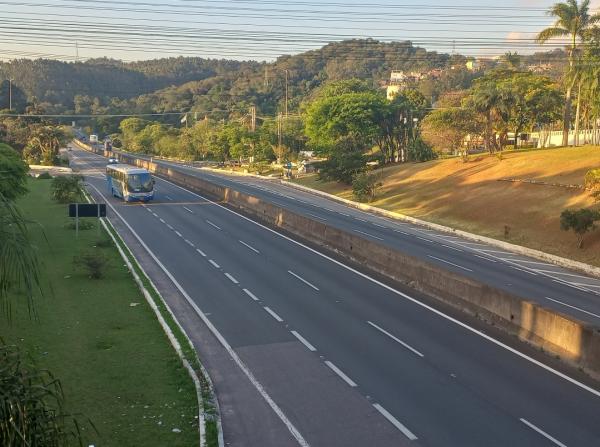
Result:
[{"x": 117, "y": 374}]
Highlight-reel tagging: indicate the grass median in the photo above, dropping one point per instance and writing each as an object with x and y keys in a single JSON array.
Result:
[{"x": 101, "y": 339}]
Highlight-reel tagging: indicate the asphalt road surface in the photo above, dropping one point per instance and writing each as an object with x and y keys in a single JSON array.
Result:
[{"x": 348, "y": 360}]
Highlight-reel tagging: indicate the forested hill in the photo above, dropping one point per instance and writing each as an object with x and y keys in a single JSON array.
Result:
[{"x": 57, "y": 83}]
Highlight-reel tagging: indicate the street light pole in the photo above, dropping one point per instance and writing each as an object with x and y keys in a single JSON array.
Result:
[{"x": 286, "y": 92}]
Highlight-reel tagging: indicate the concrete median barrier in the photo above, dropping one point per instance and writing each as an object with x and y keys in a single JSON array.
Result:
[{"x": 574, "y": 341}]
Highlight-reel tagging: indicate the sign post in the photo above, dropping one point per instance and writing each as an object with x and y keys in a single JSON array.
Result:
[{"x": 78, "y": 210}]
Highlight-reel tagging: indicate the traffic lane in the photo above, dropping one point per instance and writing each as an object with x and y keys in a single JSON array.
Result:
[
  {"x": 323, "y": 384},
  {"x": 304, "y": 311}
]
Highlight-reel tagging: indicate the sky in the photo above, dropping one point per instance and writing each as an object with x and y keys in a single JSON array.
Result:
[{"x": 261, "y": 29}]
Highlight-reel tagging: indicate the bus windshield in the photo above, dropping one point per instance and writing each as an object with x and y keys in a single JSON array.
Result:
[{"x": 139, "y": 182}]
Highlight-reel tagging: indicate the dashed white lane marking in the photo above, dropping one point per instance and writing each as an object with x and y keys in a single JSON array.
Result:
[
  {"x": 339, "y": 372},
  {"x": 214, "y": 264},
  {"x": 487, "y": 259},
  {"x": 273, "y": 314},
  {"x": 303, "y": 280},
  {"x": 395, "y": 422},
  {"x": 188, "y": 210},
  {"x": 396, "y": 339},
  {"x": 178, "y": 234},
  {"x": 343, "y": 214},
  {"x": 249, "y": 246},
  {"x": 402, "y": 232},
  {"x": 190, "y": 243},
  {"x": 162, "y": 220},
  {"x": 231, "y": 278},
  {"x": 368, "y": 234},
  {"x": 523, "y": 270},
  {"x": 201, "y": 252},
  {"x": 250, "y": 294},
  {"x": 362, "y": 220},
  {"x": 213, "y": 225},
  {"x": 378, "y": 225},
  {"x": 169, "y": 198},
  {"x": 425, "y": 239},
  {"x": 317, "y": 217},
  {"x": 170, "y": 227},
  {"x": 450, "y": 263},
  {"x": 304, "y": 341},
  {"x": 485, "y": 250},
  {"x": 452, "y": 248},
  {"x": 573, "y": 307},
  {"x": 148, "y": 209},
  {"x": 543, "y": 433}
]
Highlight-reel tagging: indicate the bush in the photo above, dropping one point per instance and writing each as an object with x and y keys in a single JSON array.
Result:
[
  {"x": 93, "y": 262},
  {"x": 420, "y": 151},
  {"x": 83, "y": 225},
  {"x": 31, "y": 405},
  {"x": 592, "y": 182},
  {"x": 364, "y": 185},
  {"x": 580, "y": 221},
  {"x": 342, "y": 167},
  {"x": 67, "y": 189},
  {"x": 44, "y": 176}
]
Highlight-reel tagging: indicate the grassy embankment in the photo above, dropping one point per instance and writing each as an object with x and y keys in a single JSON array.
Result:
[
  {"x": 469, "y": 196},
  {"x": 114, "y": 362}
]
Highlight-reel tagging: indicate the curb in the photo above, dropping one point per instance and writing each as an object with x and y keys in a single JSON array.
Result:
[
  {"x": 169, "y": 333},
  {"x": 517, "y": 249}
]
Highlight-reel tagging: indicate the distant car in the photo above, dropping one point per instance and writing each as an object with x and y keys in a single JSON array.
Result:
[{"x": 113, "y": 161}]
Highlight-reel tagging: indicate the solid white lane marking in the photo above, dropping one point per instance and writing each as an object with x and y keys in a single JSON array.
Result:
[
  {"x": 452, "y": 248},
  {"x": 232, "y": 279},
  {"x": 178, "y": 234},
  {"x": 395, "y": 422},
  {"x": 304, "y": 341},
  {"x": 587, "y": 285},
  {"x": 487, "y": 259},
  {"x": 368, "y": 234},
  {"x": 303, "y": 280},
  {"x": 213, "y": 225},
  {"x": 526, "y": 261},
  {"x": 450, "y": 263},
  {"x": 543, "y": 433},
  {"x": 170, "y": 227},
  {"x": 162, "y": 220},
  {"x": 169, "y": 198},
  {"x": 574, "y": 307},
  {"x": 339, "y": 372},
  {"x": 249, "y": 246},
  {"x": 565, "y": 274},
  {"x": 317, "y": 217},
  {"x": 495, "y": 251},
  {"x": 273, "y": 314},
  {"x": 190, "y": 243},
  {"x": 396, "y": 339},
  {"x": 259, "y": 387},
  {"x": 214, "y": 264},
  {"x": 413, "y": 300},
  {"x": 188, "y": 210},
  {"x": 522, "y": 270},
  {"x": 201, "y": 252},
  {"x": 250, "y": 294},
  {"x": 564, "y": 283}
]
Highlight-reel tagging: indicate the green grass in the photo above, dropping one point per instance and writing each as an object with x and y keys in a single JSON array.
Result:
[{"x": 116, "y": 365}]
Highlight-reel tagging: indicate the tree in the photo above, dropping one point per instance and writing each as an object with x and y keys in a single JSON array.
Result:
[
  {"x": 44, "y": 143},
  {"x": 485, "y": 99},
  {"x": 581, "y": 222},
  {"x": 448, "y": 128},
  {"x": 364, "y": 186},
  {"x": 573, "y": 20},
  {"x": 66, "y": 189},
  {"x": 13, "y": 173}
]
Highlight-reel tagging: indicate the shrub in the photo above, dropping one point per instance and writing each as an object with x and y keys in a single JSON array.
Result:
[
  {"x": 83, "y": 225},
  {"x": 420, "y": 151},
  {"x": 67, "y": 188},
  {"x": 364, "y": 185},
  {"x": 580, "y": 221},
  {"x": 93, "y": 262},
  {"x": 31, "y": 405},
  {"x": 592, "y": 182},
  {"x": 44, "y": 176},
  {"x": 342, "y": 167}
]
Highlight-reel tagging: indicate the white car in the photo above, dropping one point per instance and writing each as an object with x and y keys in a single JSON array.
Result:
[{"x": 113, "y": 161}]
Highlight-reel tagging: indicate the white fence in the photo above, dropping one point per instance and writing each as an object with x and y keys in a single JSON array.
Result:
[{"x": 555, "y": 138}]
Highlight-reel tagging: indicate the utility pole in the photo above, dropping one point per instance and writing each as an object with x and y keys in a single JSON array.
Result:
[
  {"x": 252, "y": 118},
  {"x": 266, "y": 75},
  {"x": 76, "y": 51},
  {"x": 286, "y": 92},
  {"x": 10, "y": 80},
  {"x": 279, "y": 136}
]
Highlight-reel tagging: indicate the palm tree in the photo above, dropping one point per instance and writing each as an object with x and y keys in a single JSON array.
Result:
[
  {"x": 573, "y": 20},
  {"x": 485, "y": 98}
]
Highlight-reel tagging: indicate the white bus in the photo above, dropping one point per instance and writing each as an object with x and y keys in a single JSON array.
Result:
[{"x": 130, "y": 183}]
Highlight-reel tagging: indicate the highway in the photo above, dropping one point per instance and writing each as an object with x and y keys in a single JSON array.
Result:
[
  {"x": 347, "y": 359},
  {"x": 569, "y": 292}
]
